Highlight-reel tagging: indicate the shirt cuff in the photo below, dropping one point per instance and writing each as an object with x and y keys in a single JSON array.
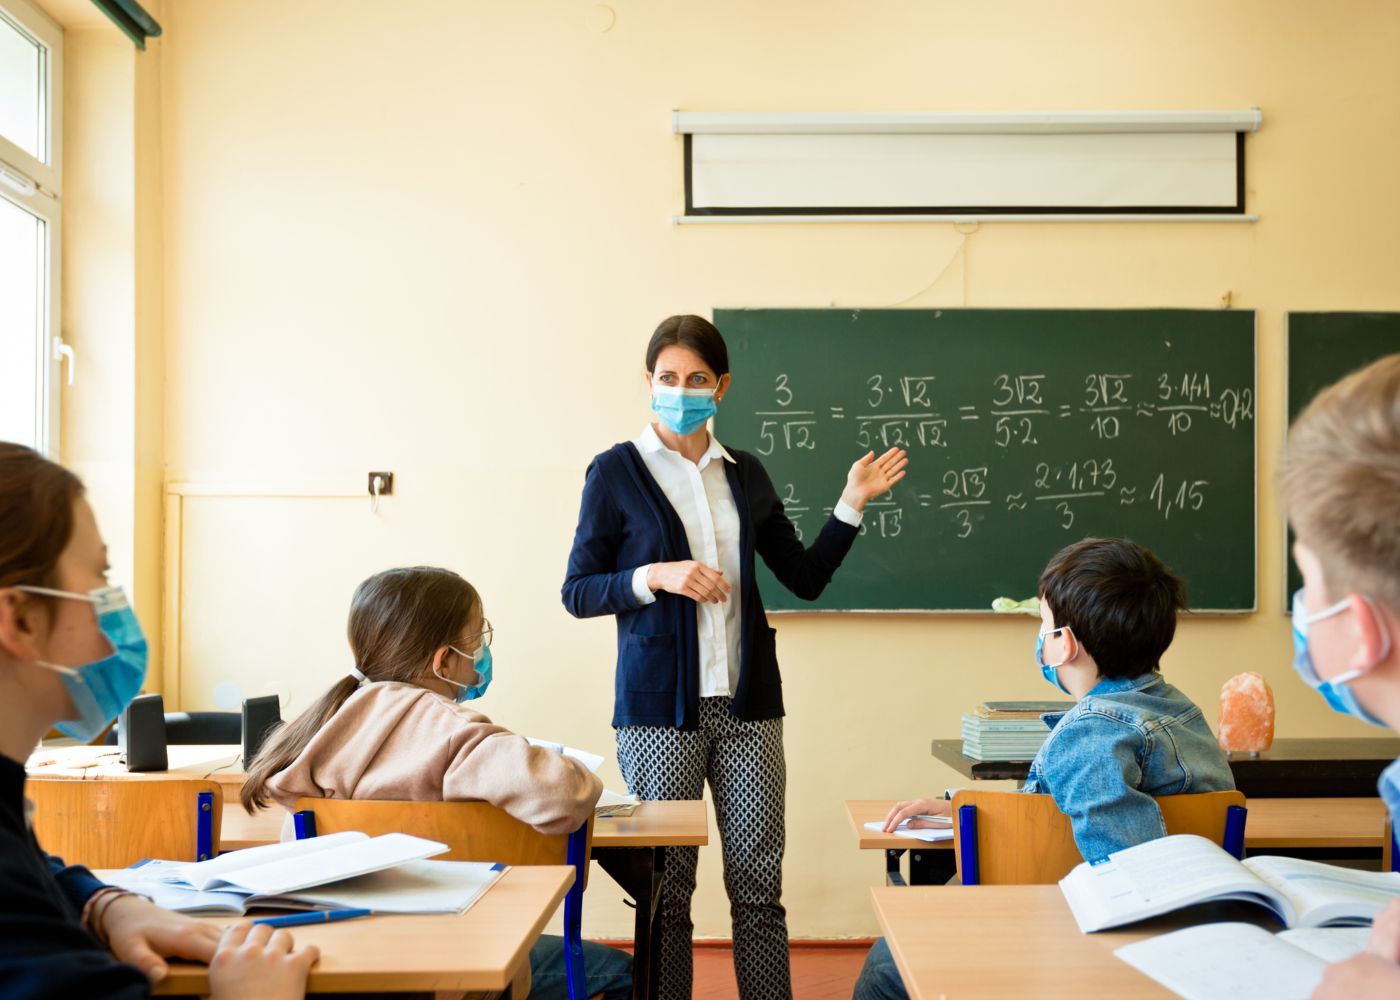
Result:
[
  {"x": 640, "y": 590},
  {"x": 847, "y": 514}
]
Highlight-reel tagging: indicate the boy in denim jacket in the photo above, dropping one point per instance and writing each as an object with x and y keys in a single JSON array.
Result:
[
  {"x": 1341, "y": 489},
  {"x": 1108, "y": 612}
]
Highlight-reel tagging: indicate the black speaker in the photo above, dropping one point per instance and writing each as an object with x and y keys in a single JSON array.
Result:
[
  {"x": 141, "y": 734},
  {"x": 260, "y": 716}
]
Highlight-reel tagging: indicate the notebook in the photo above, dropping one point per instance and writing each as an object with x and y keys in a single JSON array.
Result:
[
  {"x": 928, "y": 835},
  {"x": 413, "y": 887},
  {"x": 276, "y": 869}
]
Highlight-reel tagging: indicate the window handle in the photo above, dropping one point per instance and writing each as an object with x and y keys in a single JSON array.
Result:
[{"x": 62, "y": 351}]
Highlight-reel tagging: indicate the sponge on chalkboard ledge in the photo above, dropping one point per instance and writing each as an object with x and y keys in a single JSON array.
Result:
[{"x": 1005, "y": 605}]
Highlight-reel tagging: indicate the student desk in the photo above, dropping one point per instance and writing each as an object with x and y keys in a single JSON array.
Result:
[
  {"x": 477, "y": 951},
  {"x": 1293, "y": 768},
  {"x": 631, "y": 849},
  {"x": 1321, "y": 828},
  {"x": 1019, "y": 941}
]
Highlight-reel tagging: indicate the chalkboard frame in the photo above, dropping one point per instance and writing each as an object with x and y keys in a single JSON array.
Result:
[{"x": 1245, "y": 609}]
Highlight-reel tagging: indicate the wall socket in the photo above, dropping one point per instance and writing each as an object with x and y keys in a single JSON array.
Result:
[{"x": 386, "y": 483}]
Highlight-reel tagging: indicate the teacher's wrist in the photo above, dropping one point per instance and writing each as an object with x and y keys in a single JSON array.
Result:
[{"x": 856, "y": 501}]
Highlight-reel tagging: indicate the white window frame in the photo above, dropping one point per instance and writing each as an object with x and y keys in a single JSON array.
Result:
[{"x": 35, "y": 185}]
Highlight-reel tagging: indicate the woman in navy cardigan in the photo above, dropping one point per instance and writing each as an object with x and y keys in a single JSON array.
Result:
[{"x": 668, "y": 528}]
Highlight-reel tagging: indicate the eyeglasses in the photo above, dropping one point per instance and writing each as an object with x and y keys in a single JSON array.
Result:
[{"x": 484, "y": 635}]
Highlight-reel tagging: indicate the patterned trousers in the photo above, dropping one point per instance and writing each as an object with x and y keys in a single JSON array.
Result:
[{"x": 744, "y": 764}]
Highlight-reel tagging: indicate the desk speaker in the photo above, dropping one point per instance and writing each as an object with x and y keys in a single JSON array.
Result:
[{"x": 141, "y": 734}]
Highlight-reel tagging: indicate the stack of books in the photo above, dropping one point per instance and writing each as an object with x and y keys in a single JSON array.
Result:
[{"x": 1007, "y": 730}]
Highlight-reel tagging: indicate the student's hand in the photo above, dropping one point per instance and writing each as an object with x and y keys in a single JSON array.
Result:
[
  {"x": 254, "y": 960},
  {"x": 871, "y": 476},
  {"x": 1385, "y": 933},
  {"x": 689, "y": 579},
  {"x": 142, "y": 934},
  {"x": 917, "y": 807},
  {"x": 1361, "y": 977}
]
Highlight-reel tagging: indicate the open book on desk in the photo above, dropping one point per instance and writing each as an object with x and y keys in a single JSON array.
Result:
[
  {"x": 413, "y": 887},
  {"x": 1179, "y": 871},
  {"x": 1234, "y": 961},
  {"x": 274, "y": 869}
]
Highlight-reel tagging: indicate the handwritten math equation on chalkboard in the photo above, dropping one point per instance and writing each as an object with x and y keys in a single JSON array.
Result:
[{"x": 1020, "y": 408}]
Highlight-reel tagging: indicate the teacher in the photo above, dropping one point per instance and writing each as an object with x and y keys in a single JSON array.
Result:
[{"x": 667, "y": 531}]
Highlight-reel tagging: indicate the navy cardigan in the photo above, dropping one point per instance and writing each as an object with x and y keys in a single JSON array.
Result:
[
  {"x": 626, "y": 521},
  {"x": 44, "y": 950}
]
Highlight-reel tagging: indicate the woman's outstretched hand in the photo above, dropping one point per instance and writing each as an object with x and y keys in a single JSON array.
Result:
[{"x": 871, "y": 476}]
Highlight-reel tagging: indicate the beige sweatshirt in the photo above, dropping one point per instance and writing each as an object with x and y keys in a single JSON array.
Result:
[{"x": 401, "y": 741}]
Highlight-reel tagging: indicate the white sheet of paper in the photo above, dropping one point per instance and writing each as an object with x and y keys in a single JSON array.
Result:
[
  {"x": 1226, "y": 961},
  {"x": 928, "y": 836},
  {"x": 592, "y": 761}
]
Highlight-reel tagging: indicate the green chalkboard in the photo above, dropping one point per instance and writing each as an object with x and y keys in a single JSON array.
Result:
[
  {"x": 1026, "y": 430},
  {"x": 1322, "y": 347}
]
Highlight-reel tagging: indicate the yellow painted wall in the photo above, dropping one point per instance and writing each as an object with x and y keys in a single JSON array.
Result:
[{"x": 434, "y": 237}]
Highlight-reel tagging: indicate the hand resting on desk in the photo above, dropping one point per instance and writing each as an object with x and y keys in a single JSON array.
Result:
[{"x": 912, "y": 809}]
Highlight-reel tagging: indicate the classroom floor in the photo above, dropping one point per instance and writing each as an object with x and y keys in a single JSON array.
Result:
[{"x": 818, "y": 973}]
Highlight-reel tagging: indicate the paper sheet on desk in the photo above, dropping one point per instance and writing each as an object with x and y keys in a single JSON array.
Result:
[
  {"x": 612, "y": 803},
  {"x": 926, "y": 835},
  {"x": 592, "y": 761}
]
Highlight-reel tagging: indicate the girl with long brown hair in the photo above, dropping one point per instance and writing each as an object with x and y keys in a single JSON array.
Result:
[{"x": 400, "y": 725}]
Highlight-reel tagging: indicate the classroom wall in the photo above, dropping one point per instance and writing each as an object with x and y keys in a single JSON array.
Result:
[{"x": 434, "y": 238}]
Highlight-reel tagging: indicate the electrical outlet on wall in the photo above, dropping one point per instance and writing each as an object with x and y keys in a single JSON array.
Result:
[{"x": 385, "y": 483}]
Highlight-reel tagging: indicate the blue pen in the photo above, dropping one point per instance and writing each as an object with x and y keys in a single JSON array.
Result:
[{"x": 316, "y": 917}]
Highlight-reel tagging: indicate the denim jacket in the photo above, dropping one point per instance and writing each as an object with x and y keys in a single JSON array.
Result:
[
  {"x": 1389, "y": 787},
  {"x": 1125, "y": 742}
]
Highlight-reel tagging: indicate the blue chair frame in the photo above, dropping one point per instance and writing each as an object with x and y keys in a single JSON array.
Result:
[
  {"x": 1232, "y": 840},
  {"x": 304, "y": 824}
]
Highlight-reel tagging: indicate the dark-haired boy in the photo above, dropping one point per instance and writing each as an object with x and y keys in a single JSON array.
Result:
[{"x": 1108, "y": 612}]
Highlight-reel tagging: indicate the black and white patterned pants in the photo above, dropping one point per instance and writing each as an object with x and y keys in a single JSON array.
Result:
[{"x": 744, "y": 764}]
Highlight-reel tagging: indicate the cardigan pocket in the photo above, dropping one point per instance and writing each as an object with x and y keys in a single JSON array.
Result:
[{"x": 649, "y": 663}]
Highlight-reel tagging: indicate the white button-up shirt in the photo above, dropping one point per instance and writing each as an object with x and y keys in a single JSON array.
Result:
[{"x": 700, "y": 493}]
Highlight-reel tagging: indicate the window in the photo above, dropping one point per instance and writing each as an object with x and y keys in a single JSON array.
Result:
[{"x": 31, "y": 59}]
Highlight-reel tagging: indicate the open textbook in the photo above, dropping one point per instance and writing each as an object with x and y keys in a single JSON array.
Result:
[
  {"x": 413, "y": 887},
  {"x": 1178, "y": 871},
  {"x": 1233, "y": 961}
]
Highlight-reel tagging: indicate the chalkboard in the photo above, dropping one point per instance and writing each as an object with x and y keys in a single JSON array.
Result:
[
  {"x": 1026, "y": 430},
  {"x": 1322, "y": 347}
]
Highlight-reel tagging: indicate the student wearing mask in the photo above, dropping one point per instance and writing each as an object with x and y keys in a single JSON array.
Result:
[
  {"x": 72, "y": 654},
  {"x": 402, "y": 725},
  {"x": 1341, "y": 492}
]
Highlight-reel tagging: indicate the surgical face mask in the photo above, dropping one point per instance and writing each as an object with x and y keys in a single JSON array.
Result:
[
  {"x": 1050, "y": 671},
  {"x": 481, "y": 659},
  {"x": 101, "y": 689},
  {"x": 683, "y": 411},
  {"x": 1337, "y": 691}
]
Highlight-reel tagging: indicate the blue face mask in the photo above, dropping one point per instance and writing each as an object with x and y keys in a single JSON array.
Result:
[
  {"x": 1337, "y": 691},
  {"x": 101, "y": 689},
  {"x": 1050, "y": 671},
  {"x": 481, "y": 659},
  {"x": 683, "y": 411}
]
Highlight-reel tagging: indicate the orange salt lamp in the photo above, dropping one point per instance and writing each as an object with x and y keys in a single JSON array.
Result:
[{"x": 1246, "y": 714}]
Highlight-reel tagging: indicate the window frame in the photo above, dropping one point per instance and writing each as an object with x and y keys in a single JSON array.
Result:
[{"x": 35, "y": 185}]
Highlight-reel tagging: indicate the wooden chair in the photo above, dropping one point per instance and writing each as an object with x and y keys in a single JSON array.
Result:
[
  {"x": 113, "y": 823},
  {"x": 473, "y": 831},
  {"x": 1011, "y": 838}
]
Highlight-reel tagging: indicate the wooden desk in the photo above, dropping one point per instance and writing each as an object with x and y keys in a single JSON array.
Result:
[
  {"x": 1293, "y": 768},
  {"x": 221, "y": 764},
  {"x": 478, "y": 951},
  {"x": 1309, "y": 827},
  {"x": 929, "y": 863},
  {"x": 632, "y": 850},
  {"x": 1019, "y": 941}
]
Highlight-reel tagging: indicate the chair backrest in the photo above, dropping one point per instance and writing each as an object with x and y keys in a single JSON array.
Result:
[
  {"x": 1019, "y": 839},
  {"x": 113, "y": 823},
  {"x": 475, "y": 831}
]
